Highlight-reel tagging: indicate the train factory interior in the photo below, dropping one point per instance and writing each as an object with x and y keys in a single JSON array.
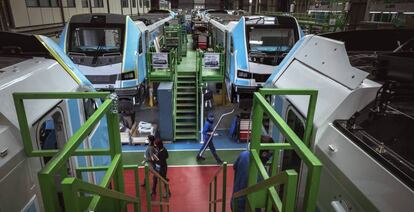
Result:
[{"x": 203, "y": 105}]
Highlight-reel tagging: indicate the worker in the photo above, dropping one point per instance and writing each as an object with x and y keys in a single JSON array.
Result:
[
  {"x": 161, "y": 165},
  {"x": 150, "y": 155},
  {"x": 241, "y": 174},
  {"x": 207, "y": 133}
]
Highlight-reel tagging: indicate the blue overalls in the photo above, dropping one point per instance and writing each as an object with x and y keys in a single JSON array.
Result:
[{"x": 208, "y": 128}]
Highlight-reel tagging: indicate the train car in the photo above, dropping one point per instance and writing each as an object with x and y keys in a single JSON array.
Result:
[
  {"x": 360, "y": 132},
  {"x": 110, "y": 49},
  {"x": 37, "y": 64},
  {"x": 254, "y": 47}
]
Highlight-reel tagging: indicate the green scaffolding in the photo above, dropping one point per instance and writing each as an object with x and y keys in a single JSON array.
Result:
[
  {"x": 79, "y": 195},
  {"x": 264, "y": 194}
]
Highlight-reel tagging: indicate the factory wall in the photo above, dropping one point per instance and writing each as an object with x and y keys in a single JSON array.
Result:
[{"x": 38, "y": 15}]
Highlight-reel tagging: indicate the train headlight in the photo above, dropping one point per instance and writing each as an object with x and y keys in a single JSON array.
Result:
[
  {"x": 244, "y": 74},
  {"x": 128, "y": 75}
]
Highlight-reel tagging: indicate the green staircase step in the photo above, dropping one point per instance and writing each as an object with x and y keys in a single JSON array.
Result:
[
  {"x": 185, "y": 124},
  {"x": 186, "y": 104},
  {"x": 185, "y": 99},
  {"x": 186, "y": 110},
  {"x": 185, "y": 87},
  {"x": 186, "y": 137},
  {"x": 179, "y": 131},
  {"x": 186, "y": 92},
  {"x": 185, "y": 76},
  {"x": 191, "y": 117}
]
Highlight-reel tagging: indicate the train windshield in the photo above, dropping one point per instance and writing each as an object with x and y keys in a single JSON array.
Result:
[
  {"x": 104, "y": 40},
  {"x": 270, "y": 40}
]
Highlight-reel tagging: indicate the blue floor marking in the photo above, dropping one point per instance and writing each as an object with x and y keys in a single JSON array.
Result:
[{"x": 222, "y": 142}]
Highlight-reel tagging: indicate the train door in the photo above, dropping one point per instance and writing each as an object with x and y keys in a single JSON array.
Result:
[
  {"x": 51, "y": 132},
  {"x": 289, "y": 159}
]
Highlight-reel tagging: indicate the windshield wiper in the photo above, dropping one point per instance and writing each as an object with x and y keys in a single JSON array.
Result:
[{"x": 98, "y": 51}]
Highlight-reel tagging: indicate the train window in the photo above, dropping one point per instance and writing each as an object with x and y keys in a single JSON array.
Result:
[
  {"x": 90, "y": 107},
  {"x": 92, "y": 40},
  {"x": 140, "y": 50},
  {"x": 290, "y": 159},
  {"x": 231, "y": 45},
  {"x": 51, "y": 133},
  {"x": 271, "y": 40}
]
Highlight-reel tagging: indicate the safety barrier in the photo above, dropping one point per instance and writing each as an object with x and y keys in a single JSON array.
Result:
[
  {"x": 212, "y": 197},
  {"x": 74, "y": 189},
  {"x": 158, "y": 73},
  {"x": 265, "y": 193},
  {"x": 209, "y": 74}
]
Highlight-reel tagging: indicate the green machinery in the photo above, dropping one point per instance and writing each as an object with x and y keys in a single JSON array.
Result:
[
  {"x": 266, "y": 193},
  {"x": 80, "y": 195},
  {"x": 318, "y": 22},
  {"x": 175, "y": 36}
]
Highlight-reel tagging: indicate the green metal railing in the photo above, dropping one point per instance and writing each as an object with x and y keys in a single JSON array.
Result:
[
  {"x": 162, "y": 74},
  {"x": 212, "y": 197},
  {"x": 74, "y": 189},
  {"x": 161, "y": 183},
  {"x": 174, "y": 39},
  {"x": 207, "y": 74},
  {"x": 264, "y": 194}
]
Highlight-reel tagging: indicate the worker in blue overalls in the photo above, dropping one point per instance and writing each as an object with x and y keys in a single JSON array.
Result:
[{"x": 207, "y": 132}]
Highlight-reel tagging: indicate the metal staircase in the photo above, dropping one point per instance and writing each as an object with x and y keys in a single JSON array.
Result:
[{"x": 186, "y": 101}]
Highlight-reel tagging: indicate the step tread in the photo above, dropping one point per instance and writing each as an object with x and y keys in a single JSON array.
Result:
[
  {"x": 181, "y": 137},
  {"x": 186, "y": 110},
  {"x": 185, "y": 130},
  {"x": 186, "y": 104},
  {"x": 185, "y": 124},
  {"x": 185, "y": 117}
]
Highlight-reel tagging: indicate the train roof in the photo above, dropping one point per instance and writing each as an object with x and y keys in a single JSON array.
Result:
[
  {"x": 151, "y": 18},
  {"x": 27, "y": 66},
  {"x": 327, "y": 70},
  {"x": 99, "y": 18}
]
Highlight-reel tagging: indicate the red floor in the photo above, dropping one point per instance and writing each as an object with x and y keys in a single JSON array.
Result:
[{"x": 189, "y": 187}]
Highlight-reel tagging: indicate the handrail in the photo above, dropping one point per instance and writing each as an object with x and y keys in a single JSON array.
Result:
[
  {"x": 125, "y": 167},
  {"x": 214, "y": 130},
  {"x": 261, "y": 106},
  {"x": 288, "y": 178},
  {"x": 71, "y": 186},
  {"x": 47, "y": 175},
  {"x": 213, "y": 182},
  {"x": 162, "y": 182}
]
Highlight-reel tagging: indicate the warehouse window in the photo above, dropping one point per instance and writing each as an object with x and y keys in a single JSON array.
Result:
[
  {"x": 71, "y": 3},
  {"x": 32, "y": 3},
  {"x": 42, "y": 3},
  {"x": 85, "y": 3},
  {"x": 124, "y": 3},
  {"x": 54, "y": 3},
  {"x": 98, "y": 3}
]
